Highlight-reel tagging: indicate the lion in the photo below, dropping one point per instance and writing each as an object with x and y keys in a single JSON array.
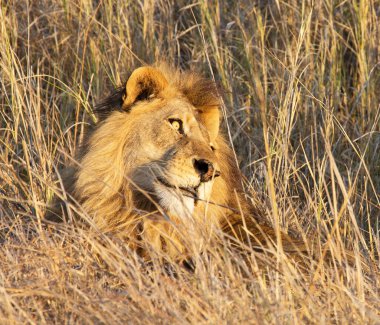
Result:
[{"x": 158, "y": 169}]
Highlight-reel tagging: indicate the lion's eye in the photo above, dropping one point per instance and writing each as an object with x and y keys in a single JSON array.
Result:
[{"x": 177, "y": 125}]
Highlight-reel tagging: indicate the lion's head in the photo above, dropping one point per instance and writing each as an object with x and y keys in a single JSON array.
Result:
[{"x": 157, "y": 159}]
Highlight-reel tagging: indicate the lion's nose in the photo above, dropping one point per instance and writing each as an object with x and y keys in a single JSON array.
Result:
[{"x": 206, "y": 169}]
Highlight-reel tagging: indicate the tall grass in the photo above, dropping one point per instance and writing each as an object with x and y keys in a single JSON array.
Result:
[{"x": 302, "y": 111}]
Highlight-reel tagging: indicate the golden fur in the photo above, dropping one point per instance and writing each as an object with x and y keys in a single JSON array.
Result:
[{"x": 140, "y": 172}]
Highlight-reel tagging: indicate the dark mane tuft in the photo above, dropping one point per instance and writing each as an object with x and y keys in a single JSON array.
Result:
[
  {"x": 111, "y": 103},
  {"x": 200, "y": 91}
]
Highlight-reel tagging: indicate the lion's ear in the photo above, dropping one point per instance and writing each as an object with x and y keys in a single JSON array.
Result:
[
  {"x": 143, "y": 83},
  {"x": 209, "y": 117}
]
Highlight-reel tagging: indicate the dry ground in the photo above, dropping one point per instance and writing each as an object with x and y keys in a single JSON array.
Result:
[{"x": 302, "y": 110}]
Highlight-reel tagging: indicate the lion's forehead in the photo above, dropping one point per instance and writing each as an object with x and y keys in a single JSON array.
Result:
[{"x": 179, "y": 106}]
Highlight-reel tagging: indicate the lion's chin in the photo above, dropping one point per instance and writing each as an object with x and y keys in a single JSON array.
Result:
[{"x": 174, "y": 202}]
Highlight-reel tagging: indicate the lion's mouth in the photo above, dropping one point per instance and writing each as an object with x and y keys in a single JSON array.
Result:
[{"x": 186, "y": 191}]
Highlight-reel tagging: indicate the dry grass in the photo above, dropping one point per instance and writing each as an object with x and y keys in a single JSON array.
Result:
[{"x": 301, "y": 109}]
